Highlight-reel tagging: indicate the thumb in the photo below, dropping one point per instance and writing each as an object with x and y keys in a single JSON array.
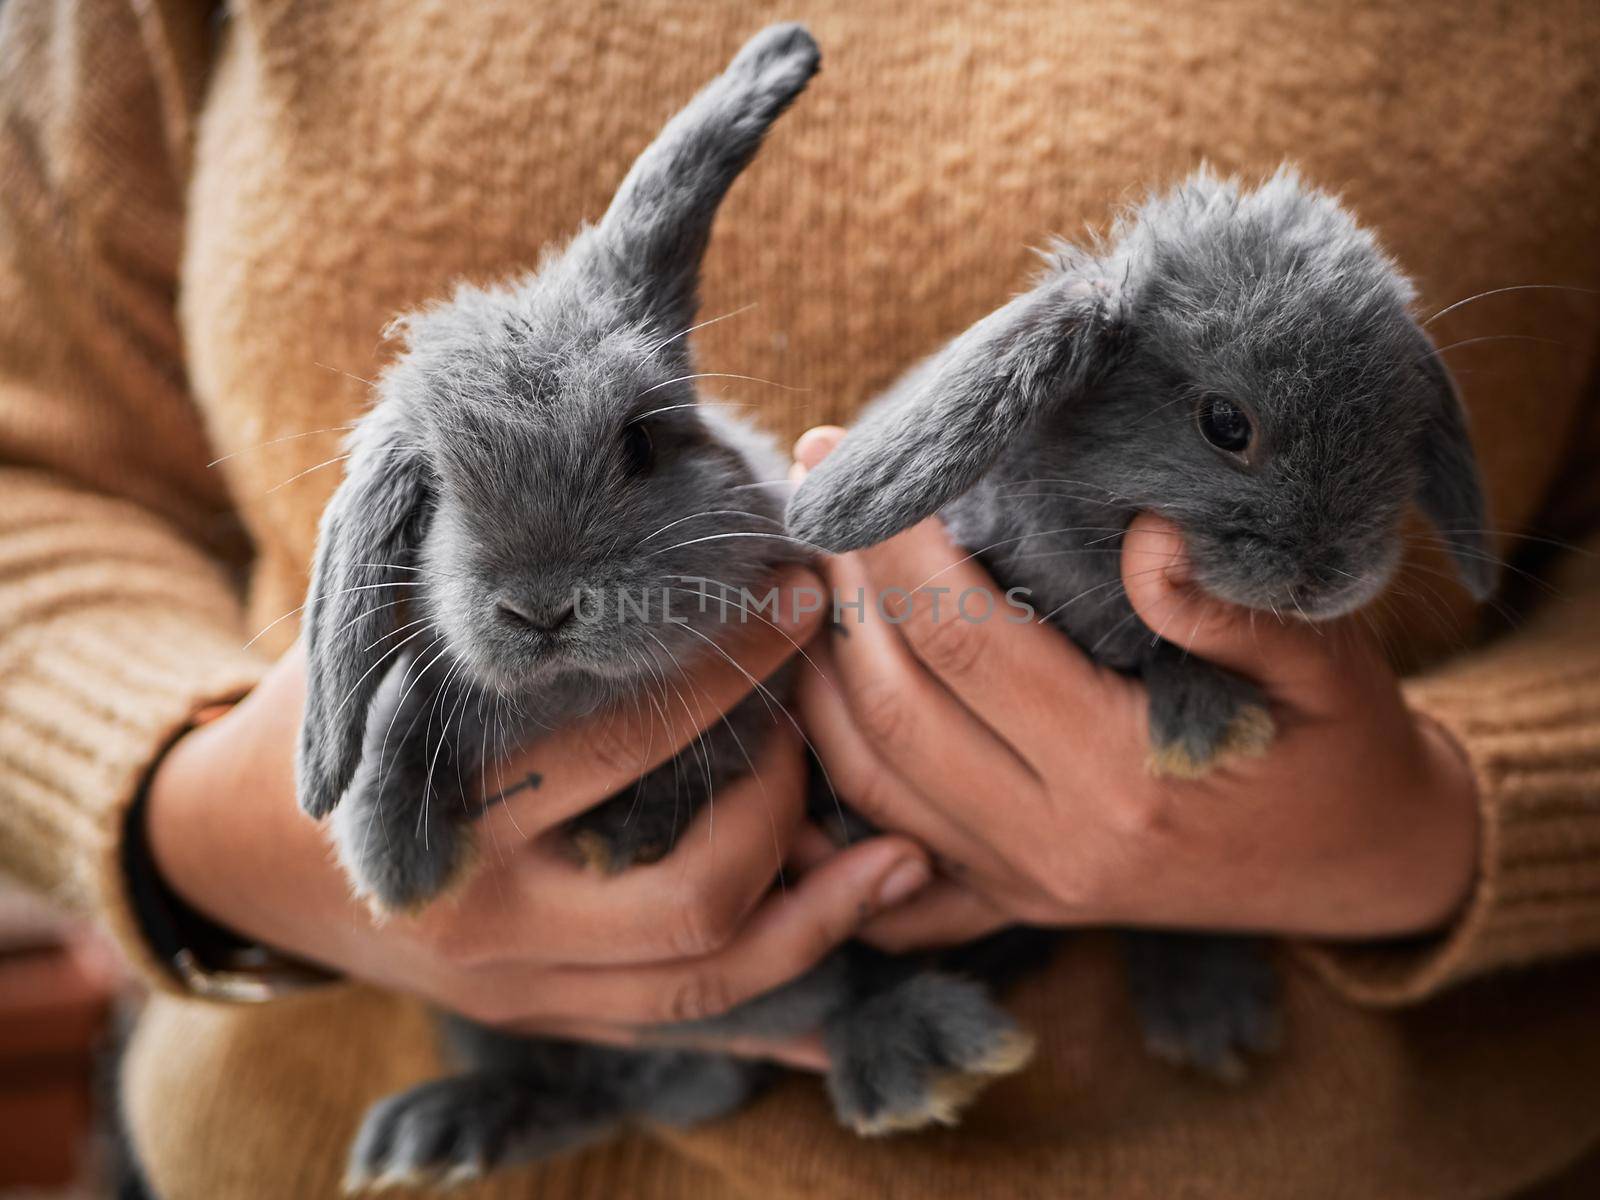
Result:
[
  {"x": 816, "y": 444},
  {"x": 1301, "y": 663}
]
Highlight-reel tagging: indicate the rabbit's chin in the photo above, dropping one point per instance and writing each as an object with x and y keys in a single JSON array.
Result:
[
  {"x": 1315, "y": 605},
  {"x": 556, "y": 670}
]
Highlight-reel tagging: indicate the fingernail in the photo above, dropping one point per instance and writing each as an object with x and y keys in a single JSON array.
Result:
[
  {"x": 816, "y": 444},
  {"x": 903, "y": 882}
]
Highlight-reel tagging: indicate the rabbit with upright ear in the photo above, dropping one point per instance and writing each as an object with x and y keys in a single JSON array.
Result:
[
  {"x": 506, "y": 492},
  {"x": 1242, "y": 362}
]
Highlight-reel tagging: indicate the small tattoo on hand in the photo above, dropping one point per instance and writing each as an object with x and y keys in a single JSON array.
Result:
[{"x": 529, "y": 782}]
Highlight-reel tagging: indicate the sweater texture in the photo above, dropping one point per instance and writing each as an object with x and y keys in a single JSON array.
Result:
[{"x": 207, "y": 219}]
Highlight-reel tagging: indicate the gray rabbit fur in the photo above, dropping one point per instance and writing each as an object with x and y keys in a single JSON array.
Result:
[
  {"x": 535, "y": 443},
  {"x": 1242, "y": 362}
]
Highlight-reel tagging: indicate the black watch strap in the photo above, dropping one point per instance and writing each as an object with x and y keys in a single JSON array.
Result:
[{"x": 208, "y": 959}]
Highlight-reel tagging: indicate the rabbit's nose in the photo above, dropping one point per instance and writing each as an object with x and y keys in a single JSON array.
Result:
[{"x": 543, "y": 618}]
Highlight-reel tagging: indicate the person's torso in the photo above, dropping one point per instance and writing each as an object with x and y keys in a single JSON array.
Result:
[{"x": 354, "y": 160}]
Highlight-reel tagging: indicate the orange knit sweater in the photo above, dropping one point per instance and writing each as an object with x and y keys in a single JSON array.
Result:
[{"x": 206, "y": 220}]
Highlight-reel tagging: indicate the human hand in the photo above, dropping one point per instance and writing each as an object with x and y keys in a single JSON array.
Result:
[
  {"x": 532, "y": 941},
  {"x": 1021, "y": 764}
]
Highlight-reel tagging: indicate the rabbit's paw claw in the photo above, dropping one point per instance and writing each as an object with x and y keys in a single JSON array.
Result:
[
  {"x": 596, "y": 851},
  {"x": 1208, "y": 1005},
  {"x": 1247, "y": 734},
  {"x": 918, "y": 1055},
  {"x": 451, "y": 1131}
]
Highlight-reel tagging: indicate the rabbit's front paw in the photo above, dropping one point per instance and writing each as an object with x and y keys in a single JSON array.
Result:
[
  {"x": 1200, "y": 715},
  {"x": 453, "y": 1130},
  {"x": 917, "y": 1054},
  {"x": 1205, "y": 1002},
  {"x": 403, "y": 846},
  {"x": 624, "y": 831}
]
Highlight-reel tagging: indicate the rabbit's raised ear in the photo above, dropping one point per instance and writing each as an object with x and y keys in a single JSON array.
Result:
[
  {"x": 1451, "y": 491},
  {"x": 938, "y": 430},
  {"x": 655, "y": 232},
  {"x": 370, "y": 528}
]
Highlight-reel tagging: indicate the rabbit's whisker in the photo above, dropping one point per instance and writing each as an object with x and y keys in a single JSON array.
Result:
[
  {"x": 346, "y": 374},
  {"x": 650, "y": 412},
  {"x": 711, "y": 512},
  {"x": 1491, "y": 337},
  {"x": 383, "y": 749},
  {"x": 387, "y": 654},
  {"x": 406, "y": 692},
  {"x": 683, "y": 333},
  {"x": 362, "y": 616},
  {"x": 801, "y": 650},
  {"x": 1570, "y": 547},
  {"x": 327, "y": 462},
  {"x": 782, "y": 537},
  {"x": 721, "y": 375},
  {"x": 638, "y": 711},
  {"x": 416, "y": 570},
  {"x": 1500, "y": 291},
  {"x": 1006, "y": 542},
  {"x": 1084, "y": 483},
  {"x": 455, "y": 670},
  {"x": 264, "y": 630},
  {"x": 1071, "y": 600},
  {"x": 1481, "y": 556},
  {"x": 1055, "y": 496},
  {"x": 697, "y": 743},
  {"x": 288, "y": 437},
  {"x": 400, "y": 629},
  {"x": 766, "y": 692}
]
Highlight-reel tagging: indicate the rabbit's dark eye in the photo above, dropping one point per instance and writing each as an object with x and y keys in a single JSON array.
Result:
[
  {"x": 1225, "y": 425},
  {"x": 638, "y": 451}
]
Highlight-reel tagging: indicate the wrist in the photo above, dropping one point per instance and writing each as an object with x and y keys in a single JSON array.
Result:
[
  {"x": 209, "y": 958},
  {"x": 1452, "y": 845},
  {"x": 225, "y": 838}
]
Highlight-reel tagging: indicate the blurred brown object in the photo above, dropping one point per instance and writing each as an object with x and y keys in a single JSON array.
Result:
[{"x": 57, "y": 983}]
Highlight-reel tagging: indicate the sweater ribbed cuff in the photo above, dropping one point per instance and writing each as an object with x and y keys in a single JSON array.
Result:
[
  {"x": 1532, "y": 736},
  {"x": 88, "y": 710}
]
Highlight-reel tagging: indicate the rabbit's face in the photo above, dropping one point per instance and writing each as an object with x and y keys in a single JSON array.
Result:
[
  {"x": 1271, "y": 399},
  {"x": 585, "y": 505},
  {"x": 1287, "y": 463}
]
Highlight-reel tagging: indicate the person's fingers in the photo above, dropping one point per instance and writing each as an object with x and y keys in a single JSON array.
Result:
[
  {"x": 947, "y": 752},
  {"x": 1307, "y": 666},
  {"x": 787, "y": 935},
  {"x": 943, "y": 914},
  {"x": 862, "y": 777},
  {"x": 811, "y": 847},
  {"x": 581, "y": 764},
  {"x": 690, "y": 903},
  {"x": 986, "y": 646},
  {"x": 802, "y": 1053}
]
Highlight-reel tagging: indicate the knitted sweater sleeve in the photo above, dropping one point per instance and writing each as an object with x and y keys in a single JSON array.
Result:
[
  {"x": 118, "y": 613},
  {"x": 1526, "y": 711}
]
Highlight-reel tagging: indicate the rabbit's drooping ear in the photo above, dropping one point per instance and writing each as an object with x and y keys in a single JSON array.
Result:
[
  {"x": 370, "y": 528},
  {"x": 1451, "y": 492},
  {"x": 656, "y": 230},
  {"x": 943, "y": 425}
]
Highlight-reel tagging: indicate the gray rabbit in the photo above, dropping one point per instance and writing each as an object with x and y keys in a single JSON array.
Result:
[
  {"x": 1243, "y": 363},
  {"x": 528, "y": 451}
]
